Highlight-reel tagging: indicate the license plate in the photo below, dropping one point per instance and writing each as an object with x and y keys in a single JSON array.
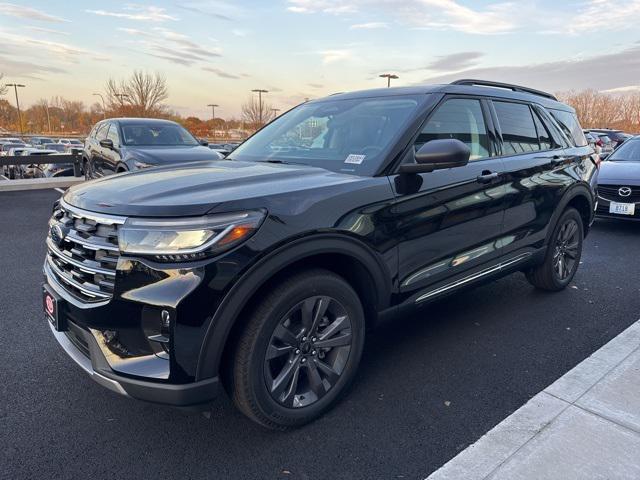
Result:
[
  {"x": 622, "y": 208},
  {"x": 52, "y": 305}
]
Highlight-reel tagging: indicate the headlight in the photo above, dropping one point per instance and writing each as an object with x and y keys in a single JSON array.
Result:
[{"x": 178, "y": 239}]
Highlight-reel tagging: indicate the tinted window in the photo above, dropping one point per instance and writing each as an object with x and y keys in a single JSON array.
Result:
[
  {"x": 518, "y": 130},
  {"x": 113, "y": 134},
  {"x": 101, "y": 133},
  {"x": 461, "y": 119},
  {"x": 629, "y": 151},
  {"x": 350, "y": 135},
  {"x": 157, "y": 134},
  {"x": 544, "y": 137},
  {"x": 571, "y": 127}
]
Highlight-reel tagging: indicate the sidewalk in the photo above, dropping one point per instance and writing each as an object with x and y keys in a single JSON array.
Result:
[{"x": 586, "y": 425}]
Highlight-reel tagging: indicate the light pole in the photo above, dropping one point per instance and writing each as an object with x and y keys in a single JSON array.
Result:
[
  {"x": 46, "y": 107},
  {"x": 389, "y": 76},
  {"x": 213, "y": 117},
  {"x": 104, "y": 109},
  {"x": 260, "y": 91},
  {"x": 15, "y": 88}
]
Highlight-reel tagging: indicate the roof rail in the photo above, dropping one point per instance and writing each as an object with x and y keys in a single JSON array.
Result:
[{"x": 508, "y": 86}]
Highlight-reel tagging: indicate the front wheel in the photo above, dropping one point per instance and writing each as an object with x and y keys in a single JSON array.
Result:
[
  {"x": 563, "y": 254},
  {"x": 299, "y": 351}
]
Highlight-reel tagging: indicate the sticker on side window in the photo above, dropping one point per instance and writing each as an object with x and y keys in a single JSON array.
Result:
[{"x": 355, "y": 159}]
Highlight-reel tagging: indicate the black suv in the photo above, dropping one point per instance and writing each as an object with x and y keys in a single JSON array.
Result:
[
  {"x": 125, "y": 144},
  {"x": 261, "y": 272}
]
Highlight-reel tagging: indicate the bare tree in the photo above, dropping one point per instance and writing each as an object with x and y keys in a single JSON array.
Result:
[
  {"x": 3, "y": 88},
  {"x": 141, "y": 94},
  {"x": 256, "y": 114}
]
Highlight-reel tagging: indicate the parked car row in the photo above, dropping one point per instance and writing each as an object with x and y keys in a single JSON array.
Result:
[{"x": 14, "y": 146}]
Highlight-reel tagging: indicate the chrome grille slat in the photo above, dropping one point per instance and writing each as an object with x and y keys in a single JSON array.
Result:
[{"x": 84, "y": 261}]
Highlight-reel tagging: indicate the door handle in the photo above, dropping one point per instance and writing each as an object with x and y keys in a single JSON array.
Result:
[
  {"x": 487, "y": 177},
  {"x": 557, "y": 160}
]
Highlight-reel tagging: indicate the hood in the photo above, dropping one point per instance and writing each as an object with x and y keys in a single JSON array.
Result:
[
  {"x": 171, "y": 154},
  {"x": 197, "y": 188},
  {"x": 619, "y": 173}
]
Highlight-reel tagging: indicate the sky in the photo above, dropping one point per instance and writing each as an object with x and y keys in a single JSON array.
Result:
[{"x": 218, "y": 51}]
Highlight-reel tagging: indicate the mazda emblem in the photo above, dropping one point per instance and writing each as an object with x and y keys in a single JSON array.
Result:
[{"x": 624, "y": 191}]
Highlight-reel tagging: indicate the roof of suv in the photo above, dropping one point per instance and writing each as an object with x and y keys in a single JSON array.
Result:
[
  {"x": 133, "y": 120},
  {"x": 470, "y": 87}
]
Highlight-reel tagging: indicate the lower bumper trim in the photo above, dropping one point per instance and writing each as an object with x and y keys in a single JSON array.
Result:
[{"x": 179, "y": 395}]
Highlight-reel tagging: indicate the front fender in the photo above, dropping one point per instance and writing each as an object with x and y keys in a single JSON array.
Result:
[{"x": 226, "y": 314}]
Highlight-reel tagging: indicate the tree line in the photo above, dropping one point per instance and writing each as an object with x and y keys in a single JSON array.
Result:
[
  {"x": 606, "y": 110},
  {"x": 143, "y": 94}
]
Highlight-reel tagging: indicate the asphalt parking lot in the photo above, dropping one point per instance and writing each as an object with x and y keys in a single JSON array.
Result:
[{"x": 429, "y": 384}]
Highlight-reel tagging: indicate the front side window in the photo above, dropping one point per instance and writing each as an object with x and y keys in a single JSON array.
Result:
[
  {"x": 101, "y": 133},
  {"x": 351, "y": 136},
  {"x": 157, "y": 135},
  {"x": 460, "y": 119},
  {"x": 518, "y": 129},
  {"x": 113, "y": 134}
]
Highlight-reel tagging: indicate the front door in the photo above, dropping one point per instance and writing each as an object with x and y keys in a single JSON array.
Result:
[{"x": 449, "y": 222}]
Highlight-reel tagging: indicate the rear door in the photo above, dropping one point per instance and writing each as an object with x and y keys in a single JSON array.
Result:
[
  {"x": 449, "y": 222},
  {"x": 535, "y": 177}
]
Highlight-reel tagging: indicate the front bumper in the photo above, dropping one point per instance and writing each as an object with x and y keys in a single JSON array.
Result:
[
  {"x": 602, "y": 211},
  {"x": 95, "y": 364}
]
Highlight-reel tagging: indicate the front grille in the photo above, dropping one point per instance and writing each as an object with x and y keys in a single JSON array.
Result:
[
  {"x": 84, "y": 261},
  {"x": 611, "y": 193}
]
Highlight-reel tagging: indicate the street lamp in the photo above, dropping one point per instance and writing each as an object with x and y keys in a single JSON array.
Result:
[
  {"x": 46, "y": 106},
  {"x": 260, "y": 91},
  {"x": 104, "y": 109},
  {"x": 120, "y": 97},
  {"x": 213, "y": 117},
  {"x": 15, "y": 88},
  {"x": 389, "y": 76}
]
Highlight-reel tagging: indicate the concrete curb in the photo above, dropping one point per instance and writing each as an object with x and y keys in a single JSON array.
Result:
[
  {"x": 38, "y": 183},
  {"x": 574, "y": 398}
]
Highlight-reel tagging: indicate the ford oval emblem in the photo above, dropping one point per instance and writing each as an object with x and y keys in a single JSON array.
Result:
[{"x": 58, "y": 233}]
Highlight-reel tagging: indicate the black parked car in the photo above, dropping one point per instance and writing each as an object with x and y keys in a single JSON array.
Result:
[
  {"x": 261, "y": 274},
  {"x": 126, "y": 144},
  {"x": 619, "y": 183}
]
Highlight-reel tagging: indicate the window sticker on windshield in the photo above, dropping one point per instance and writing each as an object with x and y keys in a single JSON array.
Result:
[{"x": 355, "y": 159}]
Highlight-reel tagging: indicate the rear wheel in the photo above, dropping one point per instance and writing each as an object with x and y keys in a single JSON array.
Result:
[
  {"x": 299, "y": 351},
  {"x": 563, "y": 254}
]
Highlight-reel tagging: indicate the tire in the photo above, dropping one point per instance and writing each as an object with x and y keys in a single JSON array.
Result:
[
  {"x": 310, "y": 390},
  {"x": 563, "y": 254},
  {"x": 85, "y": 168}
]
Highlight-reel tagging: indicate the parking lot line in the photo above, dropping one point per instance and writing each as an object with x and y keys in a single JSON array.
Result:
[{"x": 553, "y": 433}]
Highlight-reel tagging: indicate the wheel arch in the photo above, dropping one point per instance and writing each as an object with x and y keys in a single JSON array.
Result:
[
  {"x": 347, "y": 257},
  {"x": 580, "y": 198}
]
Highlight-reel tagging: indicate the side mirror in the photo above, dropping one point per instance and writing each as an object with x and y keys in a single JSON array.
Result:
[
  {"x": 204, "y": 143},
  {"x": 106, "y": 143},
  {"x": 437, "y": 155}
]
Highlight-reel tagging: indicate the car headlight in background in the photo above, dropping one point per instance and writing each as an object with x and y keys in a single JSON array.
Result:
[{"x": 179, "y": 239}]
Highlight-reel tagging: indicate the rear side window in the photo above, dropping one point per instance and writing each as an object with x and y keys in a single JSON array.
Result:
[
  {"x": 519, "y": 133},
  {"x": 544, "y": 137},
  {"x": 570, "y": 126},
  {"x": 461, "y": 119}
]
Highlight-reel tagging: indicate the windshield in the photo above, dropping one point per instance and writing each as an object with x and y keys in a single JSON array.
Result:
[
  {"x": 629, "y": 151},
  {"x": 54, "y": 146},
  {"x": 166, "y": 134},
  {"x": 350, "y": 136}
]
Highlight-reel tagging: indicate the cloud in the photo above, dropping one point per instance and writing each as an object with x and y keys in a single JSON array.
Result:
[
  {"x": 332, "y": 7},
  {"x": 221, "y": 73},
  {"x": 369, "y": 26},
  {"x": 48, "y": 30},
  {"x": 315, "y": 85},
  {"x": 611, "y": 14},
  {"x": 217, "y": 9},
  {"x": 25, "y": 69},
  {"x": 455, "y": 61},
  {"x": 601, "y": 72},
  {"x": 28, "y": 13},
  {"x": 239, "y": 33},
  {"x": 136, "y": 12},
  {"x": 172, "y": 46},
  {"x": 336, "y": 55}
]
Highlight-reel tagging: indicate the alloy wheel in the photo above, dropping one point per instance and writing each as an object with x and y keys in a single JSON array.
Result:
[
  {"x": 308, "y": 352},
  {"x": 566, "y": 252}
]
